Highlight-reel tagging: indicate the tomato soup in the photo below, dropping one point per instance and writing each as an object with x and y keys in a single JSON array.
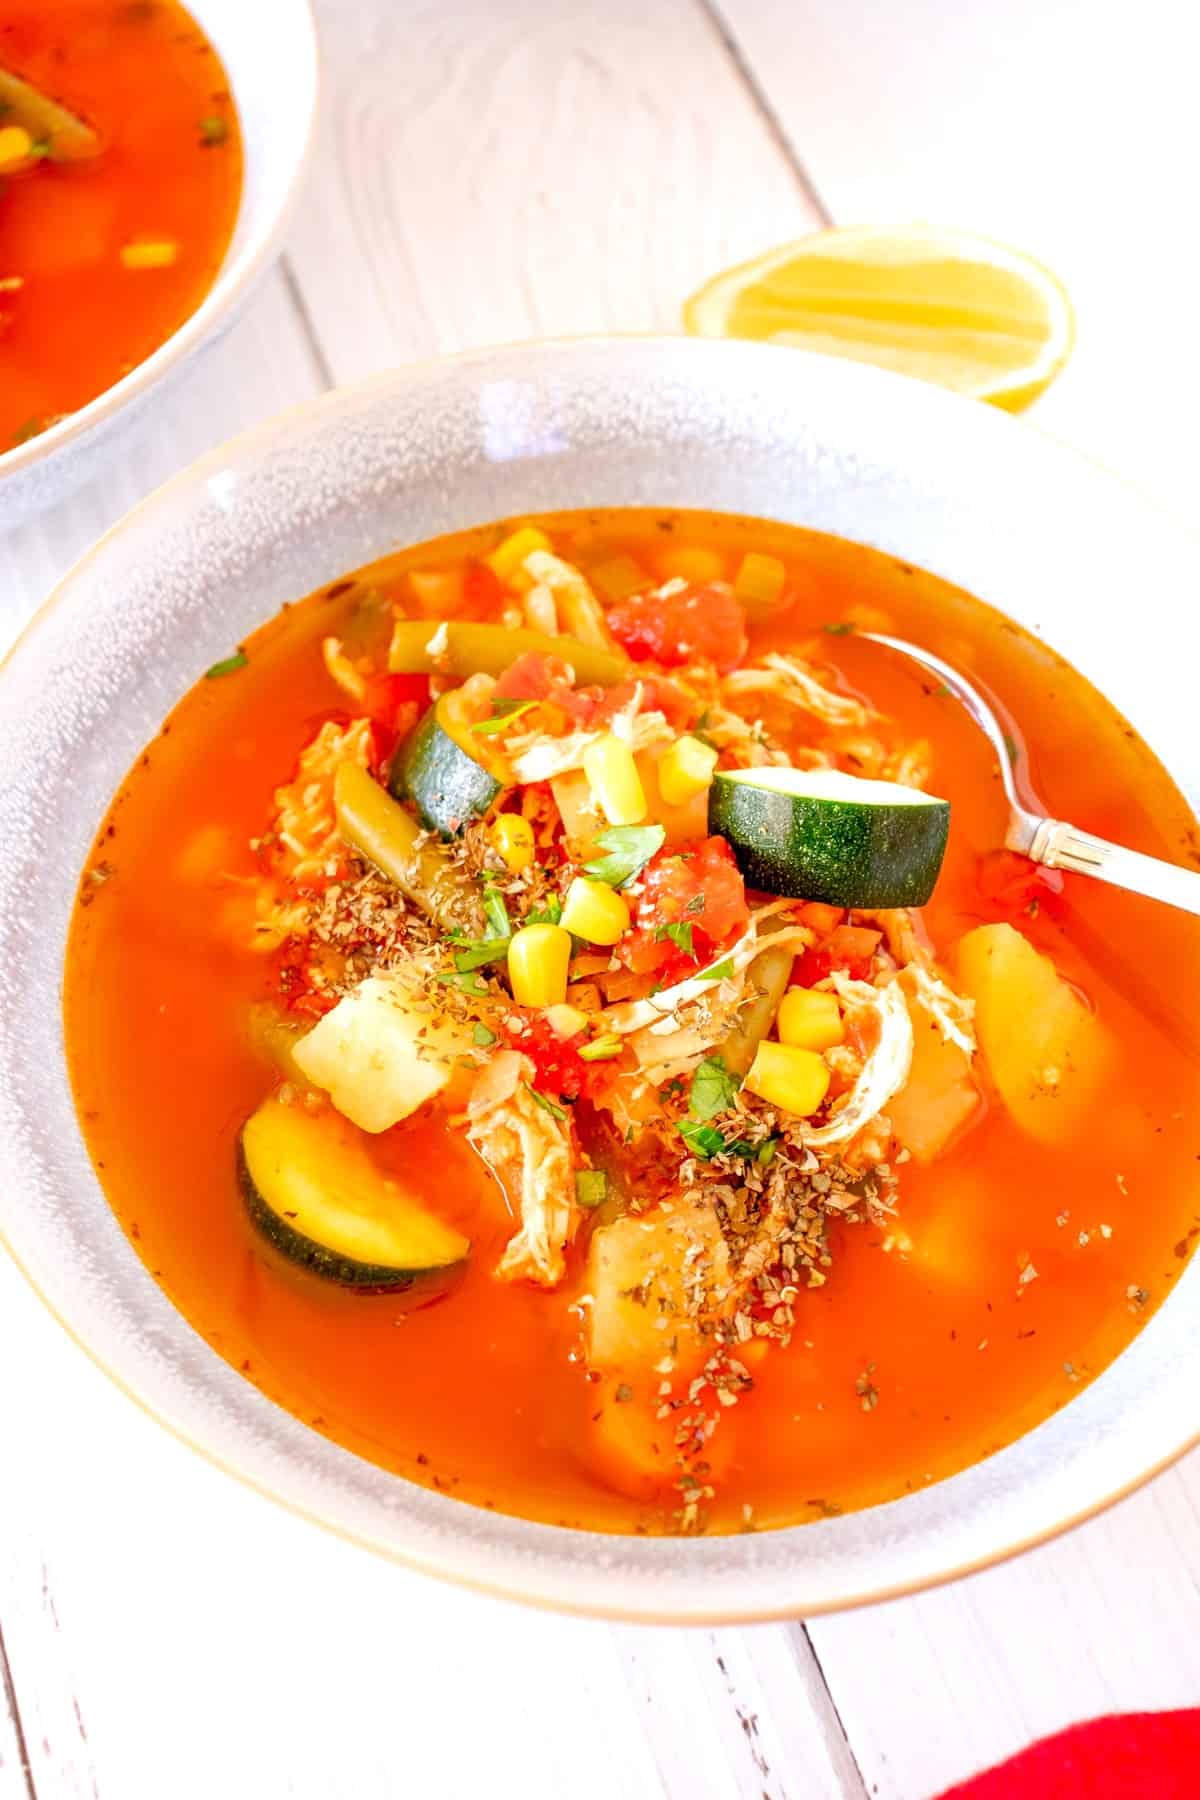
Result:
[
  {"x": 553, "y": 1009},
  {"x": 120, "y": 178}
]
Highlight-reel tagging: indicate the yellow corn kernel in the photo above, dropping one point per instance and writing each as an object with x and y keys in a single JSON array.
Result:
[
  {"x": 507, "y": 560},
  {"x": 809, "y": 1021},
  {"x": 566, "y": 1021},
  {"x": 512, "y": 838},
  {"x": 614, "y": 780},
  {"x": 690, "y": 562},
  {"x": 685, "y": 770},
  {"x": 149, "y": 256},
  {"x": 796, "y": 1081},
  {"x": 760, "y": 580},
  {"x": 595, "y": 912},
  {"x": 16, "y": 145},
  {"x": 537, "y": 965}
]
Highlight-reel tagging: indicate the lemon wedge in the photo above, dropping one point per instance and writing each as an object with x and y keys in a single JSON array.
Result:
[{"x": 944, "y": 306}]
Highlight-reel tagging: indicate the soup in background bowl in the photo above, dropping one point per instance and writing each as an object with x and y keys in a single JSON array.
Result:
[
  {"x": 148, "y": 156},
  {"x": 975, "y": 1261},
  {"x": 107, "y": 249}
]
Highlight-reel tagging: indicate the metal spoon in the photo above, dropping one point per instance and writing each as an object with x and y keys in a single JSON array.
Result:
[{"x": 1053, "y": 842}]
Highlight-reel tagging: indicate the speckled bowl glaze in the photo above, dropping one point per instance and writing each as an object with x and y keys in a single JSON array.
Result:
[
  {"x": 968, "y": 493},
  {"x": 269, "y": 50}
]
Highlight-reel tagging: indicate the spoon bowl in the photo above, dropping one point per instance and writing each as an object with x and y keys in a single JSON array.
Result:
[{"x": 1052, "y": 842}]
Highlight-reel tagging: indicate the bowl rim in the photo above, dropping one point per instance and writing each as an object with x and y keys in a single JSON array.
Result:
[
  {"x": 509, "y": 1575},
  {"x": 236, "y": 276}
]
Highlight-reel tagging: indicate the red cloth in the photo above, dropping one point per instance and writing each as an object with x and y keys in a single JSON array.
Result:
[{"x": 1132, "y": 1756}]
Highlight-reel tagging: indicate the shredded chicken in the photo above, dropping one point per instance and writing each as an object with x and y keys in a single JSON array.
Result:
[
  {"x": 658, "y": 1011},
  {"x": 885, "y": 1070},
  {"x": 531, "y": 1154},
  {"x": 954, "y": 1014},
  {"x": 541, "y": 614},
  {"x": 342, "y": 670},
  {"x": 903, "y": 930},
  {"x": 538, "y": 757},
  {"x": 577, "y": 608},
  {"x": 662, "y": 1058},
  {"x": 906, "y": 938},
  {"x": 793, "y": 682},
  {"x": 912, "y": 766},
  {"x": 305, "y": 826}
]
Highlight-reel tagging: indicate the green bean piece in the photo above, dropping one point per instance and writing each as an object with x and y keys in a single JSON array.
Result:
[
  {"x": 462, "y": 648},
  {"x": 387, "y": 835},
  {"x": 60, "y": 135},
  {"x": 766, "y": 981}
]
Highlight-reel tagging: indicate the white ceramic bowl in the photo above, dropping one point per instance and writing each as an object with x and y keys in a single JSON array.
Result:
[
  {"x": 967, "y": 492},
  {"x": 269, "y": 50}
]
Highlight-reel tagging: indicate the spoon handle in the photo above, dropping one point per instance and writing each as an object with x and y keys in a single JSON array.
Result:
[{"x": 1061, "y": 846}]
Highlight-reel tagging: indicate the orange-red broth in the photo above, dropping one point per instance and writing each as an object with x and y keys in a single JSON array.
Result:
[{"x": 484, "y": 1394}]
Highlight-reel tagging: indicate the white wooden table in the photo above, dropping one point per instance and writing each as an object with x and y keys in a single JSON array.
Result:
[{"x": 498, "y": 169}]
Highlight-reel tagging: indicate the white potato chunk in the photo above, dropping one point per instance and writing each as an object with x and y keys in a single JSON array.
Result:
[
  {"x": 1047, "y": 1054},
  {"x": 380, "y": 1054}
]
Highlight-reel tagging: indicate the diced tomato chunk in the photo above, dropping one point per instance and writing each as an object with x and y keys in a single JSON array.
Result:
[
  {"x": 387, "y": 694},
  {"x": 853, "y": 943},
  {"x": 659, "y": 694},
  {"x": 537, "y": 676},
  {"x": 696, "y": 624},
  {"x": 393, "y": 703},
  {"x": 483, "y": 592},
  {"x": 531, "y": 677},
  {"x": 1012, "y": 885},
  {"x": 561, "y": 1072},
  {"x": 848, "y": 948},
  {"x": 820, "y": 918},
  {"x": 697, "y": 885}
]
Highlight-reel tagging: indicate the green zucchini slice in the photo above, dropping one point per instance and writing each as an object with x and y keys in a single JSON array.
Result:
[
  {"x": 315, "y": 1194},
  {"x": 448, "y": 783},
  {"x": 823, "y": 835}
]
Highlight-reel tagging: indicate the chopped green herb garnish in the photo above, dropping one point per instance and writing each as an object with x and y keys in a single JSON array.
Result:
[
  {"x": 503, "y": 713},
  {"x": 1011, "y": 745},
  {"x": 482, "y": 1036},
  {"x": 713, "y": 1089},
  {"x": 228, "y": 666},
  {"x": 707, "y": 1141},
  {"x": 701, "y": 1140},
  {"x": 213, "y": 130},
  {"x": 696, "y": 904},
  {"x": 468, "y": 982},
  {"x": 700, "y": 729},
  {"x": 550, "y": 914},
  {"x": 630, "y": 848},
  {"x": 601, "y": 1049},
  {"x": 679, "y": 933},
  {"x": 840, "y": 628},
  {"x": 591, "y": 1187},
  {"x": 484, "y": 950},
  {"x": 499, "y": 925},
  {"x": 721, "y": 971},
  {"x": 766, "y": 1152},
  {"x": 544, "y": 1101},
  {"x": 30, "y": 429}
]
